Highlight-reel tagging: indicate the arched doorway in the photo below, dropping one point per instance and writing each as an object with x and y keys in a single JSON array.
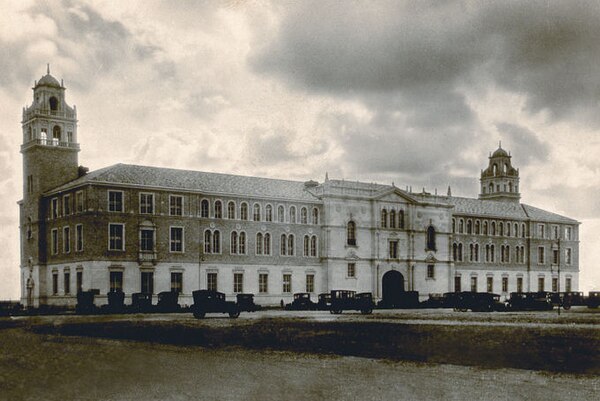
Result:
[{"x": 392, "y": 285}]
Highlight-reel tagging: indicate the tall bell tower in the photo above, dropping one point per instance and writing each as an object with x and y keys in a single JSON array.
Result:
[
  {"x": 50, "y": 159},
  {"x": 500, "y": 180}
]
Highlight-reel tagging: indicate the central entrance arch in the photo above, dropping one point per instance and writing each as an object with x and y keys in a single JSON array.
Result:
[{"x": 392, "y": 284}]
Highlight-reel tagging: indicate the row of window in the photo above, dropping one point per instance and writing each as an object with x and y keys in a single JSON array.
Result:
[
  {"x": 507, "y": 229},
  {"x": 67, "y": 281},
  {"x": 68, "y": 207},
  {"x": 505, "y": 287},
  {"x": 505, "y": 254},
  {"x": 389, "y": 219},
  {"x": 66, "y": 239}
]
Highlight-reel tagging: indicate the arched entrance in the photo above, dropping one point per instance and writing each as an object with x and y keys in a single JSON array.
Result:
[{"x": 392, "y": 285}]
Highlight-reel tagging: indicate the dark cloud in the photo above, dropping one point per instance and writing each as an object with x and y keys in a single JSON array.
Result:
[{"x": 523, "y": 138}]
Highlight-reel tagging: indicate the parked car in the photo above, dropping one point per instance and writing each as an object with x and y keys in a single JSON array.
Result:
[
  {"x": 85, "y": 302},
  {"x": 404, "y": 300},
  {"x": 434, "y": 301},
  {"x": 246, "y": 303},
  {"x": 478, "y": 302},
  {"x": 168, "y": 301},
  {"x": 324, "y": 302},
  {"x": 342, "y": 300},
  {"x": 141, "y": 302},
  {"x": 116, "y": 302},
  {"x": 208, "y": 301},
  {"x": 572, "y": 298},
  {"x": 593, "y": 299},
  {"x": 523, "y": 301},
  {"x": 301, "y": 302}
]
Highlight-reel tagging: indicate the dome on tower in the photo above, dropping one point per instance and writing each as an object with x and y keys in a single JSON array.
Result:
[
  {"x": 48, "y": 80},
  {"x": 500, "y": 153}
]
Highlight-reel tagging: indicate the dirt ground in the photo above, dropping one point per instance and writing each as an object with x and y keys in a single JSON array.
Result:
[{"x": 54, "y": 367}]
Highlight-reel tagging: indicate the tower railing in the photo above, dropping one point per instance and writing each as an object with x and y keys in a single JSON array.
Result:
[
  {"x": 27, "y": 114},
  {"x": 50, "y": 142}
]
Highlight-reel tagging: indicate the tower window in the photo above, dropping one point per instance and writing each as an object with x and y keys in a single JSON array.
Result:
[
  {"x": 53, "y": 103},
  {"x": 431, "y": 238},
  {"x": 55, "y": 135},
  {"x": 351, "y": 233}
]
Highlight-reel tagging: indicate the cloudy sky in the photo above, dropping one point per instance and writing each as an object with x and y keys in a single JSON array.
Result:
[{"x": 412, "y": 93}]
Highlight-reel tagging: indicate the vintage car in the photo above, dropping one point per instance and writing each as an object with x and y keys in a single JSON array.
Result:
[
  {"x": 401, "y": 300},
  {"x": 85, "y": 302},
  {"x": 301, "y": 302},
  {"x": 208, "y": 301},
  {"x": 10, "y": 308},
  {"x": 342, "y": 300},
  {"x": 593, "y": 299},
  {"x": 168, "y": 301},
  {"x": 246, "y": 303},
  {"x": 478, "y": 302},
  {"x": 530, "y": 301},
  {"x": 324, "y": 302},
  {"x": 141, "y": 302},
  {"x": 435, "y": 300},
  {"x": 572, "y": 298}
]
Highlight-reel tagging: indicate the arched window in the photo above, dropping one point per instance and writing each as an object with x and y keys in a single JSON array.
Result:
[
  {"x": 493, "y": 228},
  {"x": 234, "y": 242},
  {"x": 523, "y": 231},
  {"x": 267, "y": 244},
  {"x": 471, "y": 252},
  {"x": 231, "y": 210},
  {"x": 431, "y": 238},
  {"x": 207, "y": 242},
  {"x": 455, "y": 252},
  {"x": 306, "y": 245},
  {"x": 53, "y": 103},
  {"x": 259, "y": 244},
  {"x": 293, "y": 214},
  {"x": 256, "y": 214},
  {"x": 460, "y": 252},
  {"x": 461, "y": 226},
  {"x": 491, "y": 190},
  {"x": 281, "y": 214},
  {"x": 242, "y": 243},
  {"x": 516, "y": 230},
  {"x": 501, "y": 228},
  {"x": 495, "y": 169},
  {"x": 244, "y": 211},
  {"x": 291, "y": 246},
  {"x": 505, "y": 168},
  {"x": 508, "y": 229},
  {"x": 283, "y": 244},
  {"x": 269, "y": 213},
  {"x": 56, "y": 135},
  {"x": 492, "y": 253},
  {"x": 218, "y": 209},
  {"x": 485, "y": 228},
  {"x": 217, "y": 242},
  {"x": 303, "y": 216},
  {"x": 313, "y": 246},
  {"x": 510, "y": 188},
  {"x": 477, "y": 227},
  {"x": 204, "y": 208},
  {"x": 469, "y": 227},
  {"x": 351, "y": 233},
  {"x": 392, "y": 219},
  {"x": 383, "y": 218},
  {"x": 476, "y": 253},
  {"x": 315, "y": 216},
  {"x": 453, "y": 225},
  {"x": 401, "y": 219}
]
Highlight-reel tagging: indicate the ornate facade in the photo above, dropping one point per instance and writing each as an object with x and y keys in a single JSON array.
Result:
[{"x": 146, "y": 229}]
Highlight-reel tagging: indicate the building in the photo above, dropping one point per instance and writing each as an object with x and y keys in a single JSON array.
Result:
[{"x": 144, "y": 229}]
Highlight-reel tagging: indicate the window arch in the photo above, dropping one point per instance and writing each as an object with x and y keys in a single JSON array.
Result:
[
  {"x": 207, "y": 241},
  {"x": 293, "y": 214},
  {"x": 508, "y": 229},
  {"x": 453, "y": 225},
  {"x": 469, "y": 226},
  {"x": 351, "y": 233},
  {"x": 56, "y": 134},
  {"x": 283, "y": 245},
  {"x": 259, "y": 244},
  {"x": 306, "y": 245},
  {"x": 303, "y": 216},
  {"x": 492, "y": 253},
  {"x": 244, "y": 211},
  {"x": 493, "y": 228},
  {"x": 204, "y": 208},
  {"x": 477, "y": 227},
  {"x": 281, "y": 214},
  {"x": 313, "y": 246},
  {"x": 460, "y": 251},
  {"x": 401, "y": 219},
  {"x": 231, "y": 210},
  {"x": 315, "y": 216},
  {"x": 501, "y": 229},
  {"x": 291, "y": 247},
  {"x": 242, "y": 249},
  {"x": 267, "y": 245},
  {"x": 431, "y": 239},
  {"x": 523, "y": 231},
  {"x": 234, "y": 242},
  {"x": 216, "y": 242},
  {"x": 485, "y": 228},
  {"x": 495, "y": 169},
  {"x": 383, "y": 218},
  {"x": 256, "y": 212},
  {"x": 392, "y": 219},
  {"x": 461, "y": 226},
  {"x": 218, "y": 209},
  {"x": 269, "y": 213},
  {"x": 516, "y": 230},
  {"x": 455, "y": 252}
]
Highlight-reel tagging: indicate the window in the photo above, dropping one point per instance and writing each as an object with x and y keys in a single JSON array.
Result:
[
  {"x": 541, "y": 255},
  {"x": 176, "y": 239},
  {"x": 568, "y": 284},
  {"x": 115, "y": 201},
  {"x": 54, "y": 241},
  {"x": 115, "y": 237},
  {"x": 66, "y": 205},
  {"x": 238, "y": 282},
  {"x": 30, "y": 184},
  {"x": 216, "y": 242},
  {"x": 269, "y": 213},
  {"x": 504, "y": 284},
  {"x": 474, "y": 284},
  {"x": 485, "y": 228},
  {"x": 116, "y": 281},
  {"x": 234, "y": 243},
  {"x": 568, "y": 233},
  {"x": 554, "y": 284},
  {"x": 393, "y": 249},
  {"x": 431, "y": 239},
  {"x": 469, "y": 227},
  {"x": 287, "y": 283},
  {"x": 231, "y": 210},
  {"x": 351, "y": 233},
  {"x": 281, "y": 214},
  {"x": 508, "y": 229},
  {"x": 430, "y": 271},
  {"x": 555, "y": 256},
  {"x": 457, "y": 252},
  {"x": 79, "y": 281},
  {"x": 54, "y": 208},
  {"x": 401, "y": 219},
  {"x": 516, "y": 230},
  {"x": 283, "y": 245},
  {"x": 293, "y": 214},
  {"x": 263, "y": 283},
  {"x": 351, "y": 269},
  {"x": 383, "y": 218},
  {"x": 238, "y": 243},
  {"x": 501, "y": 229},
  {"x": 555, "y": 232},
  {"x": 457, "y": 287},
  {"x": 519, "y": 284},
  {"x": 259, "y": 244},
  {"x": 490, "y": 284},
  {"x": 218, "y": 209},
  {"x": 392, "y": 219},
  {"x": 175, "y": 205},
  {"x": 79, "y": 202},
  {"x": 146, "y": 240},
  {"x": 291, "y": 246},
  {"x": 303, "y": 216},
  {"x": 242, "y": 246},
  {"x": 310, "y": 283},
  {"x": 568, "y": 260},
  {"x": 244, "y": 211},
  {"x": 541, "y": 231},
  {"x": 523, "y": 231},
  {"x": 315, "y": 216},
  {"x": 256, "y": 212},
  {"x": 461, "y": 226},
  {"x": 306, "y": 245},
  {"x": 204, "y": 206},
  {"x": 55, "y": 283},
  {"x": 67, "y": 282},
  {"x": 493, "y": 228},
  {"x": 287, "y": 245},
  {"x": 207, "y": 241},
  {"x": 477, "y": 227},
  {"x": 267, "y": 245},
  {"x": 66, "y": 240},
  {"x": 177, "y": 282},
  {"x": 211, "y": 281},
  {"x": 147, "y": 283},
  {"x": 146, "y": 203},
  {"x": 540, "y": 284},
  {"x": 313, "y": 246}
]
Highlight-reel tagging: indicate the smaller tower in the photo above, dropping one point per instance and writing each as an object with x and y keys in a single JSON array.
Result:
[{"x": 500, "y": 180}]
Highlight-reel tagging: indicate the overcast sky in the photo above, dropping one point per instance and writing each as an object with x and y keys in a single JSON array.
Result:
[{"x": 414, "y": 93}]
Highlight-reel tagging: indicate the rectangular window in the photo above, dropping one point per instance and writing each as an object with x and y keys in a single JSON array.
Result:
[
  {"x": 310, "y": 283},
  {"x": 116, "y": 237},
  {"x": 79, "y": 284},
  {"x": 473, "y": 284},
  {"x": 175, "y": 205},
  {"x": 66, "y": 240},
  {"x": 555, "y": 232},
  {"x": 55, "y": 283},
  {"x": 79, "y": 201},
  {"x": 490, "y": 284},
  {"x": 54, "y": 208},
  {"x": 116, "y": 282},
  {"x": 541, "y": 255},
  {"x": 67, "y": 283},
  {"x": 177, "y": 282},
  {"x": 147, "y": 283},
  {"x": 555, "y": 255},
  {"x": 238, "y": 282},
  {"x": 115, "y": 201},
  {"x": 147, "y": 240},
  {"x": 430, "y": 271},
  {"x": 568, "y": 284},
  {"x": 176, "y": 239},
  {"x": 79, "y": 238},
  {"x": 554, "y": 284},
  {"x": 457, "y": 287},
  {"x": 66, "y": 205},
  {"x": 541, "y": 231},
  {"x": 540, "y": 284},
  {"x": 568, "y": 259},
  {"x": 287, "y": 283},
  {"x": 504, "y": 284},
  {"x": 211, "y": 281},
  {"x": 519, "y": 284},
  {"x": 568, "y": 233},
  {"x": 263, "y": 283},
  {"x": 351, "y": 269},
  {"x": 146, "y": 203},
  {"x": 393, "y": 249},
  {"x": 54, "y": 241},
  {"x": 29, "y": 184}
]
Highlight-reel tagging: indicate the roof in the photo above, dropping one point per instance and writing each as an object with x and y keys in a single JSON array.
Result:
[
  {"x": 188, "y": 180},
  {"x": 48, "y": 80},
  {"x": 500, "y": 153}
]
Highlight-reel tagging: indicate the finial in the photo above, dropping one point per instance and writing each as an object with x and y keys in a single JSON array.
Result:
[
  {"x": 48, "y": 68},
  {"x": 326, "y": 176},
  {"x": 499, "y": 144},
  {"x": 449, "y": 191}
]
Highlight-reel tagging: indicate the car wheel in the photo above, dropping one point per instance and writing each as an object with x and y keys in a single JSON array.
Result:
[
  {"x": 199, "y": 315},
  {"x": 337, "y": 311},
  {"x": 566, "y": 306},
  {"x": 234, "y": 314},
  {"x": 366, "y": 311}
]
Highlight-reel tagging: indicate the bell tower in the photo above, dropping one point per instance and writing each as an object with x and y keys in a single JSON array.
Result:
[
  {"x": 500, "y": 180},
  {"x": 50, "y": 159}
]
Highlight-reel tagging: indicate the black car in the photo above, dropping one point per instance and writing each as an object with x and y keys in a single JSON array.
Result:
[
  {"x": 208, "y": 301},
  {"x": 478, "y": 302},
  {"x": 141, "y": 302},
  {"x": 301, "y": 302},
  {"x": 342, "y": 300},
  {"x": 530, "y": 301},
  {"x": 246, "y": 303},
  {"x": 402, "y": 300},
  {"x": 85, "y": 302},
  {"x": 116, "y": 302},
  {"x": 168, "y": 301},
  {"x": 434, "y": 301},
  {"x": 593, "y": 299},
  {"x": 324, "y": 302}
]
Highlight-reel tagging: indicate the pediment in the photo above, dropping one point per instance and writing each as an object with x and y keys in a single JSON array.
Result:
[{"x": 395, "y": 195}]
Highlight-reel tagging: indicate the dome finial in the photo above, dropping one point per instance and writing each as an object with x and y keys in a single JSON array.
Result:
[
  {"x": 500, "y": 144},
  {"x": 48, "y": 68}
]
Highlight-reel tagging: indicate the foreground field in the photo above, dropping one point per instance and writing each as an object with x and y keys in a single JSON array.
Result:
[{"x": 55, "y": 367}]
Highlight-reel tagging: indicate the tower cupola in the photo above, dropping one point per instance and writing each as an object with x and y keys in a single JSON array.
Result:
[{"x": 500, "y": 180}]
